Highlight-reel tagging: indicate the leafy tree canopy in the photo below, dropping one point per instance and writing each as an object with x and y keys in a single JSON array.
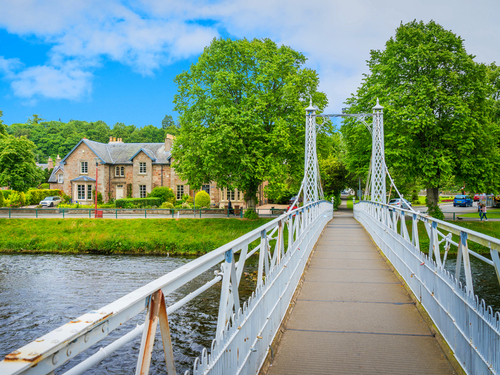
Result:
[
  {"x": 241, "y": 110},
  {"x": 3, "y": 128},
  {"x": 18, "y": 169},
  {"x": 438, "y": 111},
  {"x": 167, "y": 122}
]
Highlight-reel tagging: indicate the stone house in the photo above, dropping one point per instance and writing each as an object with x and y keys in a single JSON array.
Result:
[{"x": 125, "y": 169}]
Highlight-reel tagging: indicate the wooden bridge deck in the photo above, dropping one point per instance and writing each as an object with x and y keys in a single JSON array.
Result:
[{"x": 353, "y": 315}]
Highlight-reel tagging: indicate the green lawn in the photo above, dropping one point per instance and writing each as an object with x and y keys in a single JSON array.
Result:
[
  {"x": 349, "y": 203},
  {"x": 107, "y": 236}
]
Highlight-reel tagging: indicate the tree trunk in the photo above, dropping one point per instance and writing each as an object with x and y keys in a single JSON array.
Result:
[
  {"x": 433, "y": 196},
  {"x": 251, "y": 195}
]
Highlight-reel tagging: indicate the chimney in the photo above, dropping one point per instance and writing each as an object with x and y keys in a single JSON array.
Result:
[
  {"x": 169, "y": 141},
  {"x": 58, "y": 161},
  {"x": 50, "y": 163}
]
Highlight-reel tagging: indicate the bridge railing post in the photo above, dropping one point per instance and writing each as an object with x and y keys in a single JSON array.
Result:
[{"x": 157, "y": 312}]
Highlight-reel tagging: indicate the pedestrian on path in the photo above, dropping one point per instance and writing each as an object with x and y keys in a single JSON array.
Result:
[
  {"x": 479, "y": 206},
  {"x": 483, "y": 209}
]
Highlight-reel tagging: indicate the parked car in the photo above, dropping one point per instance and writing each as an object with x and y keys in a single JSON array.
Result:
[
  {"x": 400, "y": 203},
  {"x": 50, "y": 201},
  {"x": 462, "y": 200},
  {"x": 477, "y": 197}
]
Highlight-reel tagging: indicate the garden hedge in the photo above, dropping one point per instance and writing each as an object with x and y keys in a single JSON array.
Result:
[{"x": 138, "y": 202}]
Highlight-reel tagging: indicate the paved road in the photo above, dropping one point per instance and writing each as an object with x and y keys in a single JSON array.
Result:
[{"x": 353, "y": 316}]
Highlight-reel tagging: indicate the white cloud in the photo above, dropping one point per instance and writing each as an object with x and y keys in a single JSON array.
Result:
[
  {"x": 8, "y": 66},
  {"x": 335, "y": 35},
  {"x": 50, "y": 82}
]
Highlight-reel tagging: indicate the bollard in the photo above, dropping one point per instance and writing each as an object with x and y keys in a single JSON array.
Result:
[
  {"x": 116, "y": 213},
  {"x": 145, "y": 215},
  {"x": 9, "y": 213},
  {"x": 36, "y": 212},
  {"x": 63, "y": 213},
  {"x": 90, "y": 213}
]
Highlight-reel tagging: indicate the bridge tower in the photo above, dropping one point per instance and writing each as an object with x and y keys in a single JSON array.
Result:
[
  {"x": 378, "y": 189},
  {"x": 311, "y": 183}
]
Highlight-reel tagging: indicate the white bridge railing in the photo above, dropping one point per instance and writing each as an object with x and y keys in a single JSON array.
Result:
[
  {"x": 471, "y": 329},
  {"x": 244, "y": 333}
]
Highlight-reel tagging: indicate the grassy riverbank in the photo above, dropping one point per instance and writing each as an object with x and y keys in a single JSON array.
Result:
[
  {"x": 152, "y": 236},
  {"x": 491, "y": 228}
]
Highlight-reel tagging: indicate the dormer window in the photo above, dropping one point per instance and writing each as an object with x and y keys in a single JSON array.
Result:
[
  {"x": 142, "y": 168},
  {"x": 84, "y": 167},
  {"x": 60, "y": 178}
]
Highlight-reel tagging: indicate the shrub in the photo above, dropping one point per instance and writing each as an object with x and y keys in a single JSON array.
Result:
[
  {"x": 22, "y": 199},
  {"x": 202, "y": 199},
  {"x": 137, "y": 202},
  {"x": 6, "y": 193},
  {"x": 66, "y": 198},
  {"x": 185, "y": 197},
  {"x": 129, "y": 190},
  {"x": 250, "y": 214},
  {"x": 2, "y": 203},
  {"x": 15, "y": 199},
  {"x": 164, "y": 193},
  {"x": 434, "y": 210},
  {"x": 187, "y": 205},
  {"x": 99, "y": 197},
  {"x": 167, "y": 205},
  {"x": 44, "y": 186},
  {"x": 34, "y": 196}
]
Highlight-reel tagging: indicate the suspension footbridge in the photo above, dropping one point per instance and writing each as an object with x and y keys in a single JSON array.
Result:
[{"x": 350, "y": 313}]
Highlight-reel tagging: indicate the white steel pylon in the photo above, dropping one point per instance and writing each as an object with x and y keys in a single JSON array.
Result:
[
  {"x": 312, "y": 182},
  {"x": 378, "y": 169}
]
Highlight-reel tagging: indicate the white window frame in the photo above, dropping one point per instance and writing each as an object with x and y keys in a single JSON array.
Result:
[
  {"x": 84, "y": 167},
  {"x": 142, "y": 191},
  {"x": 230, "y": 195},
  {"x": 60, "y": 178},
  {"x": 80, "y": 192},
  {"x": 142, "y": 167},
  {"x": 119, "y": 171},
  {"x": 89, "y": 192},
  {"x": 180, "y": 189}
]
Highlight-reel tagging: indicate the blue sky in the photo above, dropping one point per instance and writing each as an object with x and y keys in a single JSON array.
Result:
[{"x": 116, "y": 60}]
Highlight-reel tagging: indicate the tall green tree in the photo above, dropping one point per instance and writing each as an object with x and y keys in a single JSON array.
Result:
[
  {"x": 3, "y": 128},
  {"x": 437, "y": 112},
  {"x": 18, "y": 169},
  {"x": 241, "y": 110},
  {"x": 167, "y": 121}
]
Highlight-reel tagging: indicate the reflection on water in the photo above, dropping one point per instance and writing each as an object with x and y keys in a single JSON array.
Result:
[
  {"x": 38, "y": 293},
  {"x": 485, "y": 281}
]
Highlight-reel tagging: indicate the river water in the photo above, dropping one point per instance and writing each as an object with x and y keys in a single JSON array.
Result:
[{"x": 39, "y": 293}]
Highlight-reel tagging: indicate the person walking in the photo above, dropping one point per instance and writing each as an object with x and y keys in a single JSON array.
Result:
[
  {"x": 483, "y": 209},
  {"x": 479, "y": 207}
]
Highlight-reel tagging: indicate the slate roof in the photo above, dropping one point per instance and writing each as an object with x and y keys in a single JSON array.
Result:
[
  {"x": 42, "y": 165},
  {"x": 53, "y": 177},
  {"x": 84, "y": 179},
  {"x": 124, "y": 153}
]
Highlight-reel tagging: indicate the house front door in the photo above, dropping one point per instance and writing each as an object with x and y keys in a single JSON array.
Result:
[{"x": 119, "y": 191}]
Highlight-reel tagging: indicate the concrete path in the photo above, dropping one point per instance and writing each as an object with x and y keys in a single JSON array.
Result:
[{"x": 353, "y": 316}]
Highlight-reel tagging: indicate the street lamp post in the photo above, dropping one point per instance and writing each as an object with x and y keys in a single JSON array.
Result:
[{"x": 95, "y": 194}]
